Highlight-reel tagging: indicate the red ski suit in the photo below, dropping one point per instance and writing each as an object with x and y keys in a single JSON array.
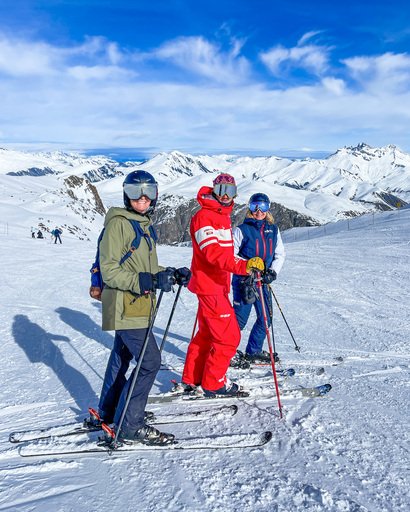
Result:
[{"x": 213, "y": 261}]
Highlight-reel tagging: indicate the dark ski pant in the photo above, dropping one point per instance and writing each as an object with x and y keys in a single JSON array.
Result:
[
  {"x": 128, "y": 344},
  {"x": 57, "y": 237},
  {"x": 242, "y": 312}
]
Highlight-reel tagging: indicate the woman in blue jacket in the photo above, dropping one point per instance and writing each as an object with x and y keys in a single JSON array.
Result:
[{"x": 259, "y": 236}]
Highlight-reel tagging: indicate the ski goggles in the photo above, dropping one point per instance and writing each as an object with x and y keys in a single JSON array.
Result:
[
  {"x": 262, "y": 206},
  {"x": 137, "y": 190},
  {"x": 222, "y": 189}
]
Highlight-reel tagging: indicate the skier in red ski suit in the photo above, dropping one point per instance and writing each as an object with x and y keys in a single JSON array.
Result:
[{"x": 213, "y": 261}]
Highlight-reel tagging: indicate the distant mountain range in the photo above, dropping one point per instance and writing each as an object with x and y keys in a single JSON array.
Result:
[{"x": 350, "y": 182}]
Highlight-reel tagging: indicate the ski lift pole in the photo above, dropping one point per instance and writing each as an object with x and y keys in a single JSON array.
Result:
[
  {"x": 137, "y": 369},
  {"x": 272, "y": 357},
  {"x": 170, "y": 317},
  {"x": 283, "y": 316}
]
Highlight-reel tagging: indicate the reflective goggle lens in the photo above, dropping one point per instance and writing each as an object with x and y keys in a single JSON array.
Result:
[
  {"x": 263, "y": 206},
  {"x": 137, "y": 190},
  {"x": 222, "y": 189}
]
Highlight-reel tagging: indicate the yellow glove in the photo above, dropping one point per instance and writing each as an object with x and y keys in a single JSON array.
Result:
[{"x": 254, "y": 264}]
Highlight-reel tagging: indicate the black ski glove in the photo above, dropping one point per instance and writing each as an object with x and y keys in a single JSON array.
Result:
[
  {"x": 268, "y": 276},
  {"x": 247, "y": 290},
  {"x": 146, "y": 282},
  {"x": 183, "y": 275},
  {"x": 165, "y": 279}
]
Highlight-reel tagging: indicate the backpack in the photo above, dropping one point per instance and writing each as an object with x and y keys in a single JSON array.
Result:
[{"x": 96, "y": 277}]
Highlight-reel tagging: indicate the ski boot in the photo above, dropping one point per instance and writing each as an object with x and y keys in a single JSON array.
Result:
[
  {"x": 261, "y": 357},
  {"x": 146, "y": 435},
  {"x": 180, "y": 388},
  {"x": 230, "y": 389},
  {"x": 238, "y": 361},
  {"x": 94, "y": 421}
]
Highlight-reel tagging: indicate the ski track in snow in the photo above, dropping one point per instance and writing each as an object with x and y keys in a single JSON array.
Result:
[{"x": 344, "y": 294}]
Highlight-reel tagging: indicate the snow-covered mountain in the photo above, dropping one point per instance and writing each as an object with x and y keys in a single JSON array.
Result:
[
  {"x": 350, "y": 182},
  {"x": 48, "y": 189}
]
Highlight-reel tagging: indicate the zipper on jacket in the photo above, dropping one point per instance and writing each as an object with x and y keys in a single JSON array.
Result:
[{"x": 263, "y": 241}]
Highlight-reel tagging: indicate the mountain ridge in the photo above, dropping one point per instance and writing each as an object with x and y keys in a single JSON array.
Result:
[{"x": 351, "y": 181}]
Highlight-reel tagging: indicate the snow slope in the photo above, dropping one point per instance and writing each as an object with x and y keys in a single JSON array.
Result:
[{"x": 343, "y": 294}]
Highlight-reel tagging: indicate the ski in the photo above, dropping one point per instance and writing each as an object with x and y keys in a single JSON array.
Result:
[
  {"x": 312, "y": 392},
  {"x": 67, "y": 429},
  {"x": 71, "y": 429},
  {"x": 256, "y": 393},
  {"x": 285, "y": 372},
  {"x": 51, "y": 447}
]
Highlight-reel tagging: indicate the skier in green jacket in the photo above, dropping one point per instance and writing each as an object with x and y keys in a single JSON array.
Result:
[{"x": 128, "y": 301}]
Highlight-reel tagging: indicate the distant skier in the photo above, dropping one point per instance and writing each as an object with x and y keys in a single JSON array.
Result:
[
  {"x": 259, "y": 236},
  {"x": 57, "y": 232},
  {"x": 40, "y": 234},
  {"x": 33, "y": 233},
  {"x": 213, "y": 346},
  {"x": 128, "y": 301}
]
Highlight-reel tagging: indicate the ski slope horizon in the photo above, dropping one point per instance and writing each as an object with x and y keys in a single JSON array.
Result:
[{"x": 344, "y": 294}]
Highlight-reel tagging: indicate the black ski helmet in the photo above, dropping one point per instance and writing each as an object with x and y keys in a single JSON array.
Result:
[
  {"x": 137, "y": 184},
  {"x": 259, "y": 199}
]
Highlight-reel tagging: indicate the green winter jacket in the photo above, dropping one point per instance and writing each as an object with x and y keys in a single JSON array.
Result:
[{"x": 122, "y": 307}]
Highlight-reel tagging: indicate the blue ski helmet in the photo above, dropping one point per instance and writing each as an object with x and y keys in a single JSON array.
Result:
[
  {"x": 138, "y": 184},
  {"x": 260, "y": 202}
]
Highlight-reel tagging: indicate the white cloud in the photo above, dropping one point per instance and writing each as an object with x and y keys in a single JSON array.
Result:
[
  {"x": 91, "y": 94},
  {"x": 307, "y": 36},
  {"x": 200, "y": 56},
  {"x": 388, "y": 72},
  {"x": 20, "y": 58},
  {"x": 311, "y": 57},
  {"x": 85, "y": 73},
  {"x": 334, "y": 85}
]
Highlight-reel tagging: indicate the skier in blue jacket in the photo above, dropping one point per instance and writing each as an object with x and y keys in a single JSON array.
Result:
[{"x": 259, "y": 236}]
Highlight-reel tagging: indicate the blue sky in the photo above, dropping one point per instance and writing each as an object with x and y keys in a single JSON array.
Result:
[{"x": 257, "y": 77}]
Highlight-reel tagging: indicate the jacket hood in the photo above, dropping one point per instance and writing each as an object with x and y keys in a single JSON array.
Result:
[
  {"x": 116, "y": 211},
  {"x": 207, "y": 200}
]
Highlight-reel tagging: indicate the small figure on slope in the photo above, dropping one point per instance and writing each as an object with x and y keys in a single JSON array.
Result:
[{"x": 57, "y": 234}]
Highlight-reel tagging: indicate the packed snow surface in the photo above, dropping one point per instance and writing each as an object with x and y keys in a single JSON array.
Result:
[{"x": 344, "y": 293}]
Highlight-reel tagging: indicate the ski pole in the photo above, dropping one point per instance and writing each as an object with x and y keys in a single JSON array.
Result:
[
  {"x": 270, "y": 306},
  {"x": 272, "y": 357},
  {"x": 283, "y": 316},
  {"x": 170, "y": 318},
  {"x": 137, "y": 369}
]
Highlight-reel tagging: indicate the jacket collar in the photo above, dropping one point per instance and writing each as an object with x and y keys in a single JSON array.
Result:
[{"x": 254, "y": 222}]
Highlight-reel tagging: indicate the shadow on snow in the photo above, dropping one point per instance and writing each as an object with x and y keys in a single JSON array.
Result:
[{"x": 39, "y": 348}]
